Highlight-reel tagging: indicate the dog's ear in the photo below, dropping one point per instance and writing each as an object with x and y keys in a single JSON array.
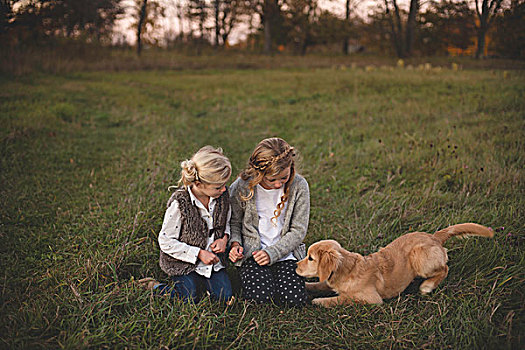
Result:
[{"x": 329, "y": 260}]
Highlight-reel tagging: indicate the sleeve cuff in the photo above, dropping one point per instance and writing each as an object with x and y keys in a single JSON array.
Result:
[
  {"x": 272, "y": 254},
  {"x": 193, "y": 254}
]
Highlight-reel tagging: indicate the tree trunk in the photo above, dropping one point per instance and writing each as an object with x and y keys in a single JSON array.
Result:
[
  {"x": 201, "y": 24},
  {"x": 400, "y": 45},
  {"x": 181, "y": 28},
  {"x": 480, "y": 50},
  {"x": 395, "y": 28},
  {"x": 347, "y": 22},
  {"x": 217, "y": 24},
  {"x": 411, "y": 27},
  {"x": 487, "y": 12},
  {"x": 142, "y": 18},
  {"x": 267, "y": 20}
]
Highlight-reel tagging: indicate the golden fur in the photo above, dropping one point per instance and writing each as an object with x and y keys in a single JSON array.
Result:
[{"x": 386, "y": 273}]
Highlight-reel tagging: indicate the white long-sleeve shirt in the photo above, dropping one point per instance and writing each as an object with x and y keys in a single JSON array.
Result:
[
  {"x": 169, "y": 235},
  {"x": 266, "y": 202}
]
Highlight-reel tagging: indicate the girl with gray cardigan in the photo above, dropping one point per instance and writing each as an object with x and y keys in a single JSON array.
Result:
[{"x": 270, "y": 211}]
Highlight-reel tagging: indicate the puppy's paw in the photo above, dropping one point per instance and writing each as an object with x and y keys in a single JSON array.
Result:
[
  {"x": 313, "y": 286},
  {"x": 318, "y": 301},
  {"x": 318, "y": 287},
  {"x": 424, "y": 290}
]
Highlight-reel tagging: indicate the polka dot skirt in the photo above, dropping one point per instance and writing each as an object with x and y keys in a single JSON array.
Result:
[{"x": 278, "y": 282}]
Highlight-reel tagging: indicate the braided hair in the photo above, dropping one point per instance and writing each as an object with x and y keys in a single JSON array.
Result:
[{"x": 269, "y": 158}]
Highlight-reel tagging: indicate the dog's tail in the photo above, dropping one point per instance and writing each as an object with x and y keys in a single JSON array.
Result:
[{"x": 463, "y": 231}]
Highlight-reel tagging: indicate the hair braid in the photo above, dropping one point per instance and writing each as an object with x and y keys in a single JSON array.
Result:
[{"x": 285, "y": 196}]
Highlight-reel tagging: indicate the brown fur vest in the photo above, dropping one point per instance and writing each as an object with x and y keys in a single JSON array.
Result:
[{"x": 194, "y": 230}]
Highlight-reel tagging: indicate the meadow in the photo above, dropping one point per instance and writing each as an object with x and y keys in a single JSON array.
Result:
[{"x": 87, "y": 158}]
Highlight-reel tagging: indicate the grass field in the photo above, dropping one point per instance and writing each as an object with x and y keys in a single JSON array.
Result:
[{"x": 86, "y": 159}]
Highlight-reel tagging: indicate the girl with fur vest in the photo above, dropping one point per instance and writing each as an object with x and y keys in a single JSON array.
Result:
[{"x": 195, "y": 231}]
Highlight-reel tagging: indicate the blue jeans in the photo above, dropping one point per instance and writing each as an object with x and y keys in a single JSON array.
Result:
[{"x": 187, "y": 286}]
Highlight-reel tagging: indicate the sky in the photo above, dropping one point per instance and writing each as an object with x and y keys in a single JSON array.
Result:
[{"x": 170, "y": 22}]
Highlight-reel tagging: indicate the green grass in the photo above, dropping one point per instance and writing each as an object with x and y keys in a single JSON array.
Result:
[
  {"x": 86, "y": 159},
  {"x": 74, "y": 57}
]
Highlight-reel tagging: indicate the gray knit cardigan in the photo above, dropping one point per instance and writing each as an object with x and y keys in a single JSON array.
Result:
[{"x": 244, "y": 222}]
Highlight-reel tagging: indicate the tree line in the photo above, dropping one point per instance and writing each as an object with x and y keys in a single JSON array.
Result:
[{"x": 400, "y": 27}]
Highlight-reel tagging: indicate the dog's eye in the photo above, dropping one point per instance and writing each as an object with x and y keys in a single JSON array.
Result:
[{"x": 310, "y": 258}]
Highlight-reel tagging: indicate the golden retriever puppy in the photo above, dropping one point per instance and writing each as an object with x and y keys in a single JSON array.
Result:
[{"x": 386, "y": 273}]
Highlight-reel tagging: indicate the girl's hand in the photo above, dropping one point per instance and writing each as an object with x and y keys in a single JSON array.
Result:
[
  {"x": 219, "y": 245},
  {"x": 208, "y": 258},
  {"x": 236, "y": 252},
  {"x": 261, "y": 257}
]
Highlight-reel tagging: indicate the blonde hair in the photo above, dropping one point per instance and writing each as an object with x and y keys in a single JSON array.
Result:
[
  {"x": 269, "y": 158},
  {"x": 209, "y": 165}
]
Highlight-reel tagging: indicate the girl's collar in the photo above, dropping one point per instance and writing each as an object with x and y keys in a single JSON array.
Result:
[{"x": 195, "y": 201}]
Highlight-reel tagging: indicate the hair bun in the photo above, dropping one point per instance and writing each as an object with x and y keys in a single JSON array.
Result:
[
  {"x": 208, "y": 165},
  {"x": 189, "y": 170}
]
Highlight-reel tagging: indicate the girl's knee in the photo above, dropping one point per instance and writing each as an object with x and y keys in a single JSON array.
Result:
[
  {"x": 260, "y": 293},
  {"x": 219, "y": 286},
  {"x": 293, "y": 295},
  {"x": 259, "y": 298},
  {"x": 185, "y": 293},
  {"x": 223, "y": 292},
  {"x": 185, "y": 288}
]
